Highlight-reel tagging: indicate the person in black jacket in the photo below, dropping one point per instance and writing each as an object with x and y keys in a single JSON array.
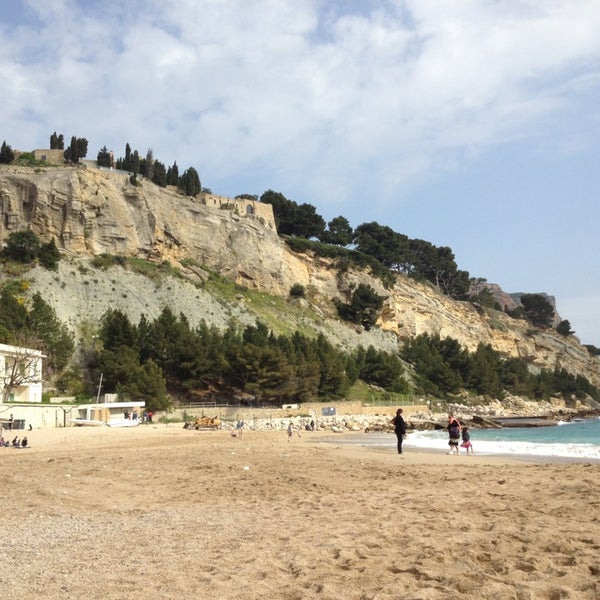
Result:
[
  {"x": 453, "y": 434},
  {"x": 399, "y": 428}
]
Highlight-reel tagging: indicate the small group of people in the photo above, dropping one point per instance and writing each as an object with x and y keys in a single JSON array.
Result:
[
  {"x": 16, "y": 442},
  {"x": 458, "y": 436},
  {"x": 290, "y": 431},
  {"x": 291, "y": 428}
]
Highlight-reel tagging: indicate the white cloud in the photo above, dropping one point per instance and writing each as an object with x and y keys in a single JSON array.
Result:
[{"x": 270, "y": 81}]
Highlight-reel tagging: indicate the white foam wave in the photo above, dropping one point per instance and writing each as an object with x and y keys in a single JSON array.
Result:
[{"x": 439, "y": 441}]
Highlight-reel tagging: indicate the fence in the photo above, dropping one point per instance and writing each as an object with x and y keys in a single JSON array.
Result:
[
  {"x": 391, "y": 399},
  {"x": 234, "y": 411}
]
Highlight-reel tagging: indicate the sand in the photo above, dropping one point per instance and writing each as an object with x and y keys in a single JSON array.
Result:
[{"x": 163, "y": 512}]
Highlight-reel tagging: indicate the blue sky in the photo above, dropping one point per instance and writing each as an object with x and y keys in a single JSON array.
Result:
[{"x": 470, "y": 124}]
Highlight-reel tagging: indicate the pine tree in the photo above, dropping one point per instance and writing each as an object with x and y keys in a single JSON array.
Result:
[
  {"x": 104, "y": 159},
  {"x": 49, "y": 255},
  {"x": 173, "y": 174},
  {"x": 189, "y": 182},
  {"x": 6, "y": 154},
  {"x": 57, "y": 142},
  {"x": 159, "y": 175},
  {"x": 127, "y": 159},
  {"x": 55, "y": 339},
  {"x": 76, "y": 150}
]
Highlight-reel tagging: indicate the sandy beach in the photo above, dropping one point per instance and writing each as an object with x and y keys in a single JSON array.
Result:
[{"x": 162, "y": 512}]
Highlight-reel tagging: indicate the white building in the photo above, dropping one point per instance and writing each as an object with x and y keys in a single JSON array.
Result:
[
  {"x": 116, "y": 414},
  {"x": 20, "y": 374}
]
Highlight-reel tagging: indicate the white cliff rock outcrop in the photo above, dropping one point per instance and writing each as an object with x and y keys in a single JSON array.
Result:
[{"x": 89, "y": 212}]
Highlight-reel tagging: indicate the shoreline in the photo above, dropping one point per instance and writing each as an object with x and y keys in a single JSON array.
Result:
[
  {"x": 41, "y": 440},
  {"x": 477, "y": 458}
]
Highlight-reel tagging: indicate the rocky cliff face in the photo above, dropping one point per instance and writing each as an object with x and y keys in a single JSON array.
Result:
[{"x": 90, "y": 212}]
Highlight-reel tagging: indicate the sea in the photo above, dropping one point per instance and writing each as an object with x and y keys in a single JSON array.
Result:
[{"x": 573, "y": 440}]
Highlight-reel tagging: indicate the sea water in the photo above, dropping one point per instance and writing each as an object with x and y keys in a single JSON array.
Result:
[{"x": 570, "y": 440}]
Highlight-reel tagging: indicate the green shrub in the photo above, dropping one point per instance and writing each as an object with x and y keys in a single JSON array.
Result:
[
  {"x": 297, "y": 291},
  {"x": 363, "y": 307},
  {"x": 104, "y": 261}
]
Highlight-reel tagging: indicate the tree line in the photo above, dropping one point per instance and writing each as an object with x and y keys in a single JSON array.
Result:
[
  {"x": 444, "y": 368},
  {"x": 147, "y": 359},
  {"x": 154, "y": 170},
  {"x": 73, "y": 153},
  {"x": 168, "y": 355},
  {"x": 396, "y": 253}
]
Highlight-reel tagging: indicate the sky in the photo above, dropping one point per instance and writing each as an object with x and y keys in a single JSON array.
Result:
[{"x": 472, "y": 124}]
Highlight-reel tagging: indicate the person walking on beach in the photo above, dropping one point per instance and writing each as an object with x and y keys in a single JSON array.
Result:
[
  {"x": 399, "y": 428},
  {"x": 290, "y": 431},
  {"x": 453, "y": 434},
  {"x": 466, "y": 440}
]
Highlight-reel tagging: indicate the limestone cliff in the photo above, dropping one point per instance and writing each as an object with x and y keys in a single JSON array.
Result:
[{"x": 89, "y": 212}]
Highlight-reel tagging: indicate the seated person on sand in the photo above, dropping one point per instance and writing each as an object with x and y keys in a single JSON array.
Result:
[
  {"x": 16, "y": 442},
  {"x": 24, "y": 442}
]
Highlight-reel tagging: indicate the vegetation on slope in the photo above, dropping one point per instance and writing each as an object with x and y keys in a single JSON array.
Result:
[{"x": 167, "y": 359}]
